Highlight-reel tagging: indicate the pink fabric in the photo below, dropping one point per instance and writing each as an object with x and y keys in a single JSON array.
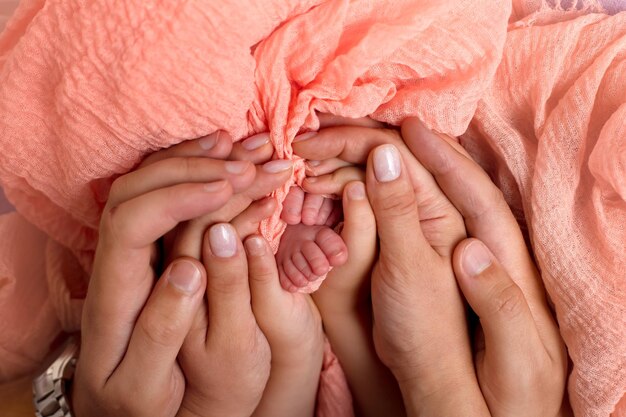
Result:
[{"x": 88, "y": 88}]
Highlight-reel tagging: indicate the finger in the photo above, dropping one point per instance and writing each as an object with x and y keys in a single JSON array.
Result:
[
  {"x": 508, "y": 325},
  {"x": 354, "y": 144},
  {"x": 137, "y": 223},
  {"x": 482, "y": 205},
  {"x": 163, "y": 325},
  {"x": 120, "y": 286},
  {"x": 256, "y": 149},
  {"x": 332, "y": 184},
  {"x": 172, "y": 171},
  {"x": 228, "y": 291},
  {"x": 217, "y": 145},
  {"x": 359, "y": 235},
  {"x": 470, "y": 189},
  {"x": 292, "y": 206},
  {"x": 327, "y": 166},
  {"x": 247, "y": 223},
  {"x": 351, "y": 144},
  {"x": 395, "y": 207},
  {"x": 269, "y": 177},
  {"x": 267, "y": 293},
  {"x": 328, "y": 120}
]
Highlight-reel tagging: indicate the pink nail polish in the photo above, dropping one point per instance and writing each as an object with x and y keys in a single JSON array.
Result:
[
  {"x": 387, "y": 164},
  {"x": 356, "y": 191},
  {"x": 208, "y": 142},
  {"x": 236, "y": 167},
  {"x": 304, "y": 136},
  {"x": 279, "y": 165},
  {"x": 476, "y": 258},
  {"x": 213, "y": 187},
  {"x": 184, "y": 276},
  {"x": 256, "y": 141},
  {"x": 223, "y": 240},
  {"x": 255, "y": 246}
]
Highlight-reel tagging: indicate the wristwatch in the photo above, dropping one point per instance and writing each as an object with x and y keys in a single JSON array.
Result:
[{"x": 51, "y": 388}]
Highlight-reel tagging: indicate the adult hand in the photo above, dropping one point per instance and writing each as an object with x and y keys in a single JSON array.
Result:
[
  {"x": 132, "y": 333},
  {"x": 225, "y": 357},
  {"x": 413, "y": 285},
  {"x": 520, "y": 357}
]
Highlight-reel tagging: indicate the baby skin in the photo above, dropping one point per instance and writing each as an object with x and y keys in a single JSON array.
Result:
[{"x": 310, "y": 246}]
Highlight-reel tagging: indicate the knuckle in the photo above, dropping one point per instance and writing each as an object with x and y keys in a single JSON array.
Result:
[
  {"x": 400, "y": 203},
  {"x": 160, "y": 331},
  {"x": 119, "y": 188},
  {"x": 508, "y": 301},
  {"x": 113, "y": 226}
]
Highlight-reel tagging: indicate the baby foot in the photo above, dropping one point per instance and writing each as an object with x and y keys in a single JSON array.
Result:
[
  {"x": 309, "y": 209},
  {"x": 306, "y": 253}
]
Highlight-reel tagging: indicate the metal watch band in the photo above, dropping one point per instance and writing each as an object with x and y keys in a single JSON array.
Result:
[{"x": 50, "y": 389}]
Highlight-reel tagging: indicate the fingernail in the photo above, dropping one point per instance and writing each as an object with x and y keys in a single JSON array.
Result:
[
  {"x": 304, "y": 136},
  {"x": 356, "y": 191},
  {"x": 208, "y": 142},
  {"x": 184, "y": 276},
  {"x": 387, "y": 165},
  {"x": 255, "y": 246},
  {"x": 476, "y": 258},
  {"x": 314, "y": 163},
  {"x": 312, "y": 180},
  {"x": 236, "y": 167},
  {"x": 256, "y": 141},
  {"x": 279, "y": 165},
  {"x": 223, "y": 240},
  {"x": 212, "y": 187}
]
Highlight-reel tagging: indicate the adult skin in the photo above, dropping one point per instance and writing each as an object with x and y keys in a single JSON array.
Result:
[
  {"x": 519, "y": 360},
  {"x": 132, "y": 332}
]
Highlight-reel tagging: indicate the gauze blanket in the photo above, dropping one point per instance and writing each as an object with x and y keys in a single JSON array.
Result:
[{"x": 538, "y": 92}]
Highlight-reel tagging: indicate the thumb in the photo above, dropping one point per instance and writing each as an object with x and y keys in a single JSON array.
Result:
[
  {"x": 509, "y": 328},
  {"x": 164, "y": 322},
  {"x": 267, "y": 296},
  {"x": 393, "y": 201}
]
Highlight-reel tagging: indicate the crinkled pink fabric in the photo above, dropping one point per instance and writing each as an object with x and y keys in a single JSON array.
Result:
[{"x": 88, "y": 88}]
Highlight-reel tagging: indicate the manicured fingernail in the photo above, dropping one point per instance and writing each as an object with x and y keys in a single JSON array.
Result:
[
  {"x": 255, "y": 246},
  {"x": 314, "y": 163},
  {"x": 304, "y": 136},
  {"x": 208, "y": 142},
  {"x": 387, "y": 165},
  {"x": 184, "y": 276},
  {"x": 279, "y": 165},
  {"x": 256, "y": 141},
  {"x": 223, "y": 240},
  {"x": 212, "y": 187},
  {"x": 476, "y": 258},
  {"x": 356, "y": 191},
  {"x": 236, "y": 167}
]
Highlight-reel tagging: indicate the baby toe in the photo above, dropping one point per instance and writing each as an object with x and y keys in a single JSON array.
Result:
[
  {"x": 301, "y": 263},
  {"x": 293, "y": 273},
  {"x": 316, "y": 258},
  {"x": 333, "y": 246},
  {"x": 292, "y": 206},
  {"x": 311, "y": 208}
]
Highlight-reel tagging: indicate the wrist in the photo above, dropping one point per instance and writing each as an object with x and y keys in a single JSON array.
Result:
[
  {"x": 444, "y": 393},
  {"x": 307, "y": 355}
]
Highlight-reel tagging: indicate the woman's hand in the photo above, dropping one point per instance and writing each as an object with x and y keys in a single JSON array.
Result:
[
  {"x": 520, "y": 358},
  {"x": 225, "y": 358},
  {"x": 413, "y": 286},
  {"x": 132, "y": 329}
]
